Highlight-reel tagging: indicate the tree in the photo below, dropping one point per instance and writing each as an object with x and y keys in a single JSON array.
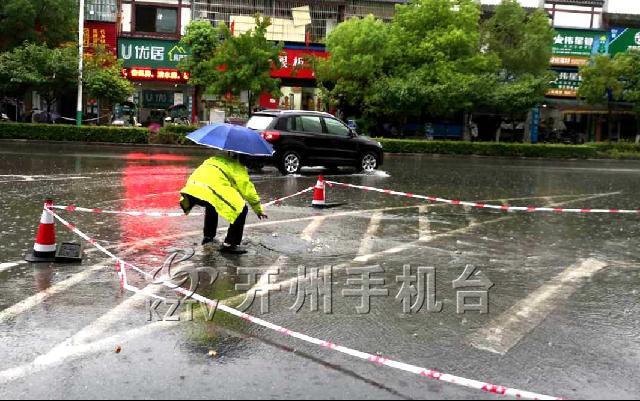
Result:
[
  {"x": 607, "y": 80},
  {"x": 629, "y": 67},
  {"x": 54, "y": 72},
  {"x": 235, "y": 64},
  {"x": 426, "y": 62},
  {"x": 50, "y": 22},
  {"x": 102, "y": 77},
  {"x": 358, "y": 49},
  {"x": 521, "y": 41},
  {"x": 50, "y": 72}
]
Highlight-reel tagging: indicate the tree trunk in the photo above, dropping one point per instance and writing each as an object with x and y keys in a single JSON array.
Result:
[
  {"x": 638, "y": 129},
  {"x": 610, "y": 121},
  {"x": 466, "y": 128}
]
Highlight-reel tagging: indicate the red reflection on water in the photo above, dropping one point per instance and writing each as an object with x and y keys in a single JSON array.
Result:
[{"x": 152, "y": 188}]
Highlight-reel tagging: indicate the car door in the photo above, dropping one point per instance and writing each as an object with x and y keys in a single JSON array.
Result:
[
  {"x": 319, "y": 144},
  {"x": 345, "y": 147}
]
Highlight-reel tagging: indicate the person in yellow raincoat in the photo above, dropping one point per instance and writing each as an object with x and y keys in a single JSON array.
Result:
[{"x": 223, "y": 187}]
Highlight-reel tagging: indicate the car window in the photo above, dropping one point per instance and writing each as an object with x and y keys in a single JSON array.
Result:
[
  {"x": 310, "y": 124},
  {"x": 260, "y": 123},
  {"x": 335, "y": 127}
]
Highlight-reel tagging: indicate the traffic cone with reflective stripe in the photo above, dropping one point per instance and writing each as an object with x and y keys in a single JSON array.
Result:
[
  {"x": 319, "y": 193},
  {"x": 44, "y": 249}
]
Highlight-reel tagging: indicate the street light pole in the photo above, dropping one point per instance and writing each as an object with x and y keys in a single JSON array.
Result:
[{"x": 80, "y": 63}]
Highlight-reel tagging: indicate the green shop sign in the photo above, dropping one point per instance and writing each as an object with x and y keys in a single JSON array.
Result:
[
  {"x": 579, "y": 43},
  {"x": 157, "y": 99},
  {"x": 151, "y": 53},
  {"x": 623, "y": 39}
]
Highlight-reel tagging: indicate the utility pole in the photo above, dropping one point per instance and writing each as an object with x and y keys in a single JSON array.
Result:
[{"x": 80, "y": 63}]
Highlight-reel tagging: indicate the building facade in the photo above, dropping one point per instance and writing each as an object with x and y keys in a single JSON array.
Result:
[
  {"x": 585, "y": 28},
  {"x": 148, "y": 45}
]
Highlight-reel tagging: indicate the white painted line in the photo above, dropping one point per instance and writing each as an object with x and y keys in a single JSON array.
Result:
[
  {"x": 34, "y": 300},
  {"x": 8, "y": 266},
  {"x": 311, "y": 229},
  {"x": 424, "y": 224},
  {"x": 266, "y": 277},
  {"x": 366, "y": 244},
  {"x": 472, "y": 225},
  {"x": 507, "y": 330},
  {"x": 65, "y": 354}
]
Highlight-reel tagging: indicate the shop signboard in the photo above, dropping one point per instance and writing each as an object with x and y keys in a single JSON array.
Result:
[
  {"x": 100, "y": 34},
  {"x": 295, "y": 63},
  {"x": 566, "y": 84},
  {"x": 151, "y": 53},
  {"x": 574, "y": 47},
  {"x": 157, "y": 99},
  {"x": 623, "y": 39}
]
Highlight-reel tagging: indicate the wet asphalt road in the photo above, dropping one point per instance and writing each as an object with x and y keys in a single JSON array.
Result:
[{"x": 563, "y": 313}]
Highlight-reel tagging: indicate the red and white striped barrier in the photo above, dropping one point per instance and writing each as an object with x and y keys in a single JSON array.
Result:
[
  {"x": 132, "y": 213},
  {"x": 478, "y": 205},
  {"x": 377, "y": 360}
]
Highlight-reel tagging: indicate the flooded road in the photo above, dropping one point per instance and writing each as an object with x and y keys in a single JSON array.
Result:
[{"x": 563, "y": 314}]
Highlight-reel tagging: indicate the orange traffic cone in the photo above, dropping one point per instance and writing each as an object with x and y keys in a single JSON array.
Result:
[
  {"x": 44, "y": 249},
  {"x": 319, "y": 193}
]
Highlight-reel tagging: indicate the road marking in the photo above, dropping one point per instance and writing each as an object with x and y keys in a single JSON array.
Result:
[
  {"x": 311, "y": 229},
  {"x": 472, "y": 225},
  {"x": 424, "y": 224},
  {"x": 8, "y": 266},
  {"x": 366, "y": 244},
  {"x": 64, "y": 354},
  {"x": 506, "y": 331},
  {"x": 34, "y": 300}
]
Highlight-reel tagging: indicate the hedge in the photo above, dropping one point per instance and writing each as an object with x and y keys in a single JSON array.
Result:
[
  {"x": 176, "y": 135},
  {"x": 621, "y": 150},
  {"x": 61, "y": 132},
  {"x": 173, "y": 135}
]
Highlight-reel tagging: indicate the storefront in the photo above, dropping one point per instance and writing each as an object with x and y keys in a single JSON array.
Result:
[
  {"x": 152, "y": 65},
  {"x": 564, "y": 113},
  {"x": 299, "y": 86}
]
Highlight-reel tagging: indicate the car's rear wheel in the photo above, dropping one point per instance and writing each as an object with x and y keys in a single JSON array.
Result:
[
  {"x": 290, "y": 163},
  {"x": 368, "y": 163}
]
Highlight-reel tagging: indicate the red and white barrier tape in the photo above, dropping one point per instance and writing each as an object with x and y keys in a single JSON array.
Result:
[
  {"x": 375, "y": 359},
  {"x": 131, "y": 213},
  {"x": 478, "y": 205}
]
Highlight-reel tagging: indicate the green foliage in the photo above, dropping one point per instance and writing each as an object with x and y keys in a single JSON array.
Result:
[
  {"x": 615, "y": 79},
  {"x": 203, "y": 40},
  {"x": 551, "y": 151},
  {"x": 60, "y": 132},
  {"x": 521, "y": 42},
  {"x": 31, "y": 66},
  {"x": 102, "y": 77},
  {"x": 358, "y": 50},
  {"x": 48, "y": 22},
  {"x": 173, "y": 135},
  {"x": 237, "y": 63},
  {"x": 599, "y": 79},
  {"x": 437, "y": 58}
]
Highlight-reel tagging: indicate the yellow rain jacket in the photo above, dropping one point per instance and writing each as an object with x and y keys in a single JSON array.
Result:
[{"x": 225, "y": 184}]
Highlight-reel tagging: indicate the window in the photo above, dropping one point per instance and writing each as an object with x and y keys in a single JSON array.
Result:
[
  {"x": 156, "y": 20},
  {"x": 310, "y": 124},
  {"x": 335, "y": 127},
  {"x": 101, "y": 10},
  {"x": 260, "y": 123}
]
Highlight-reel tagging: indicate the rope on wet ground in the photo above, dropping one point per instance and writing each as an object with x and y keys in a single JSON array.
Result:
[
  {"x": 133, "y": 213},
  {"x": 121, "y": 268},
  {"x": 479, "y": 205}
]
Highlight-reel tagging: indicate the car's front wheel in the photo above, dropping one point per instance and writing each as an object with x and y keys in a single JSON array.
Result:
[
  {"x": 368, "y": 163},
  {"x": 290, "y": 163}
]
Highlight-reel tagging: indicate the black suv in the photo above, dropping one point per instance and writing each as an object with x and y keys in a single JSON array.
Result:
[{"x": 308, "y": 138}]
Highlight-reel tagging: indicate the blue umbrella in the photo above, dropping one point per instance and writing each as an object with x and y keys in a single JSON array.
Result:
[{"x": 232, "y": 138}]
